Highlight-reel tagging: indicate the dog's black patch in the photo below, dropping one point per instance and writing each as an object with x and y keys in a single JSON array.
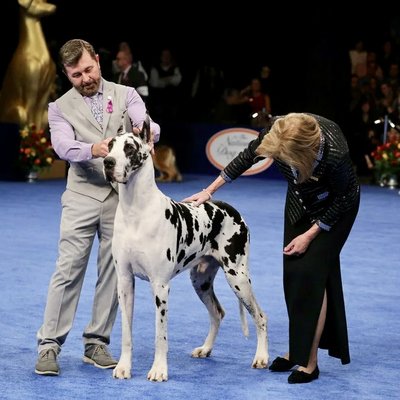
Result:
[
  {"x": 181, "y": 256},
  {"x": 184, "y": 212},
  {"x": 190, "y": 258},
  {"x": 217, "y": 218},
  {"x": 237, "y": 243},
  {"x": 136, "y": 158},
  {"x": 173, "y": 217}
]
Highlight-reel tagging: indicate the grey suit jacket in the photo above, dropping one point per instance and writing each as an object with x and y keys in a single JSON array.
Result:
[{"x": 86, "y": 177}]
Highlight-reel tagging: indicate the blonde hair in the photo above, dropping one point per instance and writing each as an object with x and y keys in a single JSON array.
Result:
[{"x": 293, "y": 139}]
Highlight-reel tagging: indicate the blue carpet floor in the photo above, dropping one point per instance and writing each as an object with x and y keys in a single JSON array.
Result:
[{"x": 29, "y": 220}]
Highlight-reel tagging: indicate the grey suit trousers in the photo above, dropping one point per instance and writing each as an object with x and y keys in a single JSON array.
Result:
[{"x": 82, "y": 218}]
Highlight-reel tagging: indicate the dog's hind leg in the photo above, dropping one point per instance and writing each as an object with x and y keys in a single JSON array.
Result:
[
  {"x": 159, "y": 369},
  {"x": 238, "y": 278},
  {"x": 202, "y": 278},
  {"x": 126, "y": 294}
]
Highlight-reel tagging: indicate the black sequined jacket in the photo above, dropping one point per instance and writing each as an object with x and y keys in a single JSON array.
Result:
[{"x": 333, "y": 188}]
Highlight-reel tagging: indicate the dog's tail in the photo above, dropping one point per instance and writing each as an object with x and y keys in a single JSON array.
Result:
[{"x": 243, "y": 319}]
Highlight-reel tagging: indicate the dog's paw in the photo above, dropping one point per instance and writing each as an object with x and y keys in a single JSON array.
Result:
[
  {"x": 122, "y": 371},
  {"x": 201, "y": 352},
  {"x": 260, "y": 362},
  {"x": 157, "y": 374}
]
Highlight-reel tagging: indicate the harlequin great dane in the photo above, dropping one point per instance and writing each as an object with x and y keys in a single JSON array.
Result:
[{"x": 156, "y": 238}]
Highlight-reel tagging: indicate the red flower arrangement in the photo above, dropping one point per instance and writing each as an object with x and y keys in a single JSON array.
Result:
[
  {"x": 35, "y": 150},
  {"x": 387, "y": 159}
]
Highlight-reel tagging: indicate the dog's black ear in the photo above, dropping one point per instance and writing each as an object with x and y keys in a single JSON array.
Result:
[{"x": 145, "y": 133}]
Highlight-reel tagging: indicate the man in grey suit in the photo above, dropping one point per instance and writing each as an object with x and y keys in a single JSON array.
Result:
[{"x": 82, "y": 122}]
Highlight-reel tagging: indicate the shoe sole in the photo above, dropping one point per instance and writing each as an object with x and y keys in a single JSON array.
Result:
[
  {"x": 303, "y": 377},
  {"x": 47, "y": 373},
  {"x": 88, "y": 360}
]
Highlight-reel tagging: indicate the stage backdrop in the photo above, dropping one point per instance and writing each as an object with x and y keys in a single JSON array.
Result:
[{"x": 190, "y": 143}]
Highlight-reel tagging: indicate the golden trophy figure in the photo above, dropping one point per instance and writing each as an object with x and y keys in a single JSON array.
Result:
[{"x": 30, "y": 76}]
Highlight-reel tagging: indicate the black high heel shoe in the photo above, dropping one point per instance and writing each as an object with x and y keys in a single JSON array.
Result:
[
  {"x": 303, "y": 377},
  {"x": 280, "y": 364}
]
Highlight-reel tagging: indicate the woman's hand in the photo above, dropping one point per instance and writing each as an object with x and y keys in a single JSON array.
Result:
[
  {"x": 299, "y": 244},
  {"x": 205, "y": 194},
  {"x": 198, "y": 198}
]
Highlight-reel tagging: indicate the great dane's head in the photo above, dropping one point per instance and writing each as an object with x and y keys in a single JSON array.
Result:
[{"x": 127, "y": 152}]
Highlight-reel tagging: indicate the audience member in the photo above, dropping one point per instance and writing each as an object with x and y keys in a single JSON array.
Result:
[
  {"x": 129, "y": 74},
  {"x": 125, "y": 47},
  {"x": 266, "y": 80},
  {"x": 232, "y": 108},
  {"x": 387, "y": 56},
  {"x": 363, "y": 136},
  {"x": 165, "y": 88},
  {"x": 258, "y": 101},
  {"x": 206, "y": 91},
  {"x": 358, "y": 58}
]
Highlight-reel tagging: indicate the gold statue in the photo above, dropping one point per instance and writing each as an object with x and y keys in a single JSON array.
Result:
[{"x": 31, "y": 74}]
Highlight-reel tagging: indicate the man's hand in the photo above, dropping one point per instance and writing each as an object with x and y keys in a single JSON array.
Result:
[{"x": 100, "y": 149}]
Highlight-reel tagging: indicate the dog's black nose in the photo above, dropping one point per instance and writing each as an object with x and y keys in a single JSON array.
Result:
[{"x": 109, "y": 162}]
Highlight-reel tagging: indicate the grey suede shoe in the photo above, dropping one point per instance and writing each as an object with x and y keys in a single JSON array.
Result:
[
  {"x": 47, "y": 363},
  {"x": 99, "y": 356}
]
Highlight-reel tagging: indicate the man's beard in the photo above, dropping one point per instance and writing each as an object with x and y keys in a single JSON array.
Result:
[{"x": 89, "y": 89}]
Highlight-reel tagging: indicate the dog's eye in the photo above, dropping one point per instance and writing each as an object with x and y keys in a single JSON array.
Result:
[
  {"x": 129, "y": 149},
  {"x": 111, "y": 144}
]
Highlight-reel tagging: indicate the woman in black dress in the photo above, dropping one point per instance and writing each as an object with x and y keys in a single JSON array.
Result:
[{"x": 321, "y": 205}]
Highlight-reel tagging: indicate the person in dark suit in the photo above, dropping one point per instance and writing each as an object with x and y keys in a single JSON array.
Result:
[
  {"x": 82, "y": 123},
  {"x": 131, "y": 74},
  {"x": 322, "y": 203}
]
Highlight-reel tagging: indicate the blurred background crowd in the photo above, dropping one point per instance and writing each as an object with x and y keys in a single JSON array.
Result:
[{"x": 196, "y": 64}]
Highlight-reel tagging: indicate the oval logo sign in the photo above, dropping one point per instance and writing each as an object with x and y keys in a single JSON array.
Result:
[{"x": 225, "y": 145}]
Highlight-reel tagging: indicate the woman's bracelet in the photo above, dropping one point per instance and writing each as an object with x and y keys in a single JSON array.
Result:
[{"x": 209, "y": 194}]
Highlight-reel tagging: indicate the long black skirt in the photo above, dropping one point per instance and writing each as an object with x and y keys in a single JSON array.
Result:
[{"x": 305, "y": 279}]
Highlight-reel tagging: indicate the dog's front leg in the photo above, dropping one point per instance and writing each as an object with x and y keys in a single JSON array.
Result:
[
  {"x": 159, "y": 369},
  {"x": 126, "y": 295}
]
